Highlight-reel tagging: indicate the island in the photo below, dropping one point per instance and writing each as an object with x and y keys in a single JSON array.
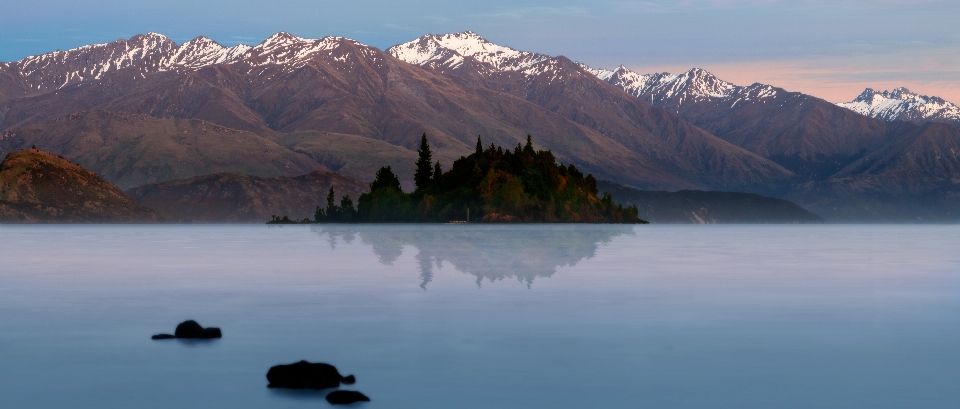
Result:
[{"x": 493, "y": 185}]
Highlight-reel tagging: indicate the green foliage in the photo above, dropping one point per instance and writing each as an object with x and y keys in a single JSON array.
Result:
[
  {"x": 344, "y": 213},
  {"x": 385, "y": 179},
  {"x": 495, "y": 184}
]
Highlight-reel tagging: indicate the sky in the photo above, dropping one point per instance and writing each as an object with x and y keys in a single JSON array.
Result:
[{"x": 831, "y": 49}]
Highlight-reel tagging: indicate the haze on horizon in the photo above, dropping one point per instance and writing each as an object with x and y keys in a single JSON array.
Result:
[{"x": 832, "y": 49}]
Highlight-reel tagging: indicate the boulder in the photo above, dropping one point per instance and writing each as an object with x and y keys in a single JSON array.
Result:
[
  {"x": 306, "y": 375},
  {"x": 346, "y": 397},
  {"x": 191, "y": 330}
]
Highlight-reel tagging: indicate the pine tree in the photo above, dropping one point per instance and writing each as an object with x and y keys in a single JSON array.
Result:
[
  {"x": 347, "y": 212},
  {"x": 528, "y": 148},
  {"x": 424, "y": 172},
  {"x": 479, "y": 146},
  {"x": 333, "y": 213},
  {"x": 385, "y": 179},
  {"x": 437, "y": 173}
]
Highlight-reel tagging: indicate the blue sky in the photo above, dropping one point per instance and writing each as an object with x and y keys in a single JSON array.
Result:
[{"x": 828, "y": 48}]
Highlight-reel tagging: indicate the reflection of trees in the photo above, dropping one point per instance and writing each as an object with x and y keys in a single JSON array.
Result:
[{"x": 496, "y": 252}]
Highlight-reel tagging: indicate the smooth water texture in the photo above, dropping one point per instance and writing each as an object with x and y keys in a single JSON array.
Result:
[{"x": 441, "y": 316}]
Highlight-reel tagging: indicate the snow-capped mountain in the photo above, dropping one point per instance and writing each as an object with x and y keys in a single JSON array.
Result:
[
  {"x": 449, "y": 50},
  {"x": 152, "y": 52},
  {"x": 903, "y": 105},
  {"x": 669, "y": 90},
  {"x": 61, "y": 68},
  {"x": 201, "y": 52},
  {"x": 353, "y": 107},
  {"x": 446, "y": 52}
]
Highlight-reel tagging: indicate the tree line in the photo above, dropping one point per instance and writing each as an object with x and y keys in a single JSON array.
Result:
[{"x": 492, "y": 184}]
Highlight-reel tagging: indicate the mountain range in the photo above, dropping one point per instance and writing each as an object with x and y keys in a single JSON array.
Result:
[{"x": 290, "y": 105}]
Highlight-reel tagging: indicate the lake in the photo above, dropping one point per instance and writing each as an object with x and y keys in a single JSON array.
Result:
[{"x": 484, "y": 316}]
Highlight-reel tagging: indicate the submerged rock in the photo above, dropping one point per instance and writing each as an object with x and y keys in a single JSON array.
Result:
[
  {"x": 346, "y": 397},
  {"x": 306, "y": 375},
  {"x": 191, "y": 330}
]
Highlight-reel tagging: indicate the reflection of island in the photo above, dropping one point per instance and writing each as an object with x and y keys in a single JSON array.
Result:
[{"x": 493, "y": 252}]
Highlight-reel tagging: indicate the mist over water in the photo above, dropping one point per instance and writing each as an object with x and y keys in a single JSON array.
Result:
[{"x": 526, "y": 316}]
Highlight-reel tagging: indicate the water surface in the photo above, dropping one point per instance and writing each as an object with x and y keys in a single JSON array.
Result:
[{"x": 439, "y": 316}]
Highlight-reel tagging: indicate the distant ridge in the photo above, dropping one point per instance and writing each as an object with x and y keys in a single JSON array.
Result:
[
  {"x": 903, "y": 105},
  {"x": 232, "y": 197},
  {"x": 709, "y": 207}
]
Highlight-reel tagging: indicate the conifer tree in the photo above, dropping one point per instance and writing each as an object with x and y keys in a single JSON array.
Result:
[
  {"x": 385, "y": 179},
  {"x": 437, "y": 173},
  {"x": 333, "y": 213},
  {"x": 347, "y": 212},
  {"x": 424, "y": 172},
  {"x": 479, "y": 146},
  {"x": 528, "y": 148}
]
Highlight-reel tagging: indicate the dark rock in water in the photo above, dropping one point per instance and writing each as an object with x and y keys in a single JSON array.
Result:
[
  {"x": 306, "y": 375},
  {"x": 346, "y": 397},
  {"x": 190, "y": 329},
  {"x": 349, "y": 380}
]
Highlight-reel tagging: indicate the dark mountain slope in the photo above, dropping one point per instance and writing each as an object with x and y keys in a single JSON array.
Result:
[
  {"x": 708, "y": 207},
  {"x": 232, "y": 197},
  {"x": 915, "y": 177}
]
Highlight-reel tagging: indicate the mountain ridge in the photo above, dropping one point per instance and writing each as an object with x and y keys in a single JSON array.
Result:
[
  {"x": 903, "y": 105},
  {"x": 289, "y": 84}
]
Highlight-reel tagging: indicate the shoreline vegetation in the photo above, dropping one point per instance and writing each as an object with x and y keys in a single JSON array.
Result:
[{"x": 492, "y": 185}]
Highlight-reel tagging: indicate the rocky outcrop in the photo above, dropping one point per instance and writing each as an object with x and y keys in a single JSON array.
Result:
[
  {"x": 346, "y": 397},
  {"x": 190, "y": 329},
  {"x": 306, "y": 375}
]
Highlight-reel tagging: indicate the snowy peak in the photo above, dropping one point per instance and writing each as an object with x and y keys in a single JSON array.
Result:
[
  {"x": 695, "y": 85},
  {"x": 699, "y": 83},
  {"x": 201, "y": 52},
  {"x": 661, "y": 88},
  {"x": 294, "y": 52},
  {"x": 62, "y": 68},
  {"x": 450, "y": 49},
  {"x": 154, "y": 52},
  {"x": 903, "y": 105},
  {"x": 281, "y": 40}
]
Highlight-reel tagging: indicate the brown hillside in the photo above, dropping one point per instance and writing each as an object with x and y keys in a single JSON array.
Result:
[
  {"x": 131, "y": 150},
  {"x": 36, "y": 186}
]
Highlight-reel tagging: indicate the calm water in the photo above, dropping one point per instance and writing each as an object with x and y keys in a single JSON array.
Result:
[{"x": 485, "y": 316}]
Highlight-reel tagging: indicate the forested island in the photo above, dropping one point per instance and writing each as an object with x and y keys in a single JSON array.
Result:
[{"x": 521, "y": 185}]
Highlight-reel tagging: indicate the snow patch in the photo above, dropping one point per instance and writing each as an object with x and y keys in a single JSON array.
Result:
[{"x": 903, "y": 105}]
